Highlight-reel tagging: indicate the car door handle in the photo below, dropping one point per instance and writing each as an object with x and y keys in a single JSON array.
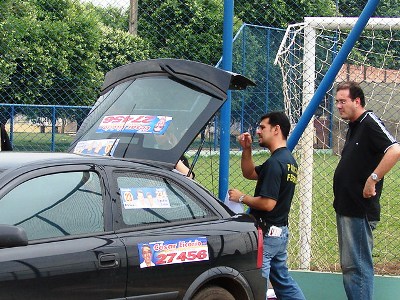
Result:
[{"x": 109, "y": 260}]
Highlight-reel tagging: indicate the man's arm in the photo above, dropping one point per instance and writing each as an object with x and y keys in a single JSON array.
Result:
[
  {"x": 182, "y": 168},
  {"x": 247, "y": 164},
  {"x": 260, "y": 203},
  {"x": 389, "y": 160}
]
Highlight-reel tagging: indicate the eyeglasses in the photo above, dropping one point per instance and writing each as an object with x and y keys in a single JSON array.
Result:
[
  {"x": 340, "y": 102},
  {"x": 262, "y": 127}
]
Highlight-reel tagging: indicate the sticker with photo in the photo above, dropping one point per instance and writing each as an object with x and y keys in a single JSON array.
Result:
[
  {"x": 154, "y": 197},
  {"x": 97, "y": 147},
  {"x": 173, "y": 252}
]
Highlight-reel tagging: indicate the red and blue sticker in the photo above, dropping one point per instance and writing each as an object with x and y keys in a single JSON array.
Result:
[
  {"x": 134, "y": 124},
  {"x": 173, "y": 252}
]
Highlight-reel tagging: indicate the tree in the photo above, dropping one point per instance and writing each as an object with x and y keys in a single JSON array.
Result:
[
  {"x": 55, "y": 57},
  {"x": 353, "y": 8},
  {"x": 119, "y": 48},
  {"x": 384, "y": 55},
  {"x": 188, "y": 29},
  {"x": 281, "y": 13},
  {"x": 57, "y": 51}
]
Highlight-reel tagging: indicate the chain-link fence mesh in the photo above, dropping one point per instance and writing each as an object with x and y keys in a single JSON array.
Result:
[
  {"x": 42, "y": 127},
  {"x": 306, "y": 54},
  {"x": 54, "y": 54}
]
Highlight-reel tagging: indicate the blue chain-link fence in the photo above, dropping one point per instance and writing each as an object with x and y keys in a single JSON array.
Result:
[{"x": 42, "y": 127}]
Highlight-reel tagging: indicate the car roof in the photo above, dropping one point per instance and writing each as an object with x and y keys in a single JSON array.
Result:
[
  {"x": 153, "y": 110},
  {"x": 13, "y": 160}
]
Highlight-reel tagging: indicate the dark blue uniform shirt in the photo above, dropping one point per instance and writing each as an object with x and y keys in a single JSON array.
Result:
[{"x": 277, "y": 178}]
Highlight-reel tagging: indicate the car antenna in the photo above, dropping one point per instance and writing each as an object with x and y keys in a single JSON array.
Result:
[{"x": 196, "y": 156}]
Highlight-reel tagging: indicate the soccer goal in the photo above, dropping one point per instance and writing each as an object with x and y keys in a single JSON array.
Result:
[{"x": 305, "y": 55}]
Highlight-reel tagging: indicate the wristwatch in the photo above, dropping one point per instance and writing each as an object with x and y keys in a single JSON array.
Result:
[
  {"x": 375, "y": 177},
  {"x": 241, "y": 198}
]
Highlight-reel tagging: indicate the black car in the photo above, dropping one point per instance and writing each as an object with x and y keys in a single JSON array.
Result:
[{"x": 113, "y": 219}]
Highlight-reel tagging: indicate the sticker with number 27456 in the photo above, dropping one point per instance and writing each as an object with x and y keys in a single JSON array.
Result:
[{"x": 177, "y": 251}]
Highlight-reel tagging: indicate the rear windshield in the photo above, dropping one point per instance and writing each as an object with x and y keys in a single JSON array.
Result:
[{"x": 152, "y": 113}]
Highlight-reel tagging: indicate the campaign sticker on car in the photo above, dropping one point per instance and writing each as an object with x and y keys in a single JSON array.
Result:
[
  {"x": 134, "y": 124},
  {"x": 173, "y": 252},
  {"x": 151, "y": 197},
  {"x": 97, "y": 147}
]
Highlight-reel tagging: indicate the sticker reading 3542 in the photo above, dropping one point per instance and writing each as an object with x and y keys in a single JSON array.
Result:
[{"x": 173, "y": 252}]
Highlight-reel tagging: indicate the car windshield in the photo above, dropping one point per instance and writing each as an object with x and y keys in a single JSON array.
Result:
[{"x": 152, "y": 113}]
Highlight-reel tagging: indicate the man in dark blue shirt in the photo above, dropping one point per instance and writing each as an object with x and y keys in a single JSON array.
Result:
[
  {"x": 368, "y": 154},
  {"x": 270, "y": 205}
]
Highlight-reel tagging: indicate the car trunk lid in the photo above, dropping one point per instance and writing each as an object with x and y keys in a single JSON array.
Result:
[{"x": 153, "y": 110}]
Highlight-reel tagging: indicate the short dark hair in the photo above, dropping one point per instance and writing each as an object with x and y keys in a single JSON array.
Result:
[
  {"x": 278, "y": 118},
  {"x": 146, "y": 246},
  {"x": 355, "y": 91}
]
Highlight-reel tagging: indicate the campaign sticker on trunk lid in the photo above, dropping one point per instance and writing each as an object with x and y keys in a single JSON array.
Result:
[
  {"x": 134, "y": 124},
  {"x": 173, "y": 252}
]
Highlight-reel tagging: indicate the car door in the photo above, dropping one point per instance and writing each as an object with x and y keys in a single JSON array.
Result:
[
  {"x": 163, "y": 228},
  {"x": 72, "y": 254}
]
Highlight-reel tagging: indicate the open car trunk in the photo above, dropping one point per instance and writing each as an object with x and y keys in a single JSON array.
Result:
[{"x": 153, "y": 110}]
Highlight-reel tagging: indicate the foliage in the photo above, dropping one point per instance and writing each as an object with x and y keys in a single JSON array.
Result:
[
  {"x": 281, "y": 13},
  {"x": 387, "y": 8},
  {"x": 188, "y": 29},
  {"x": 111, "y": 17},
  {"x": 55, "y": 52},
  {"x": 257, "y": 47},
  {"x": 119, "y": 48},
  {"x": 260, "y": 45},
  {"x": 353, "y": 8},
  {"x": 10, "y": 37},
  {"x": 55, "y": 55}
]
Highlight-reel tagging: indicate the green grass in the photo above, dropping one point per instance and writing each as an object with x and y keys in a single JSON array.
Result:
[
  {"x": 324, "y": 253},
  {"x": 28, "y": 141},
  {"x": 324, "y": 249}
]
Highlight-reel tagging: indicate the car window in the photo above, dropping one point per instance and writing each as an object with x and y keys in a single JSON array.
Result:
[
  {"x": 147, "y": 199},
  {"x": 151, "y": 118},
  {"x": 55, "y": 205},
  {"x": 153, "y": 107}
]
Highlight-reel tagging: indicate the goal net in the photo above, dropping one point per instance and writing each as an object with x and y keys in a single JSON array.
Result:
[{"x": 304, "y": 57}]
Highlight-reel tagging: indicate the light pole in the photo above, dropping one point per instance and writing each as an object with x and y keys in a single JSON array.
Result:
[{"x": 133, "y": 17}]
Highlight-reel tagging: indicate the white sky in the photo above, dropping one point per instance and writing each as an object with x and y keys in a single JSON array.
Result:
[{"x": 105, "y": 3}]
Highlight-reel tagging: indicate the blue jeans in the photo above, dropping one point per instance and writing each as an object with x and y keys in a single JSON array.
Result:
[
  {"x": 275, "y": 269},
  {"x": 355, "y": 250}
]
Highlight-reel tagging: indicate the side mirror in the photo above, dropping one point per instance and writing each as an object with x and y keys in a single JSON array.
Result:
[{"x": 12, "y": 236}]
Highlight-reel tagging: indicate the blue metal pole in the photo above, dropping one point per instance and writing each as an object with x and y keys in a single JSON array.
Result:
[
  {"x": 53, "y": 128},
  {"x": 215, "y": 135},
  {"x": 332, "y": 72},
  {"x": 12, "y": 115},
  {"x": 268, "y": 63},
  {"x": 226, "y": 108},
  {"x": 242, "y": 113}
]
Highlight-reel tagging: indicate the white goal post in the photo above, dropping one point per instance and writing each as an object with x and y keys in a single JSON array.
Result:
[{"x": 301, "y": 69}]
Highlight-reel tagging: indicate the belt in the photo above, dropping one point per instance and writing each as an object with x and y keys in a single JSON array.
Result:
[{"x": 265, "y": 226}]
